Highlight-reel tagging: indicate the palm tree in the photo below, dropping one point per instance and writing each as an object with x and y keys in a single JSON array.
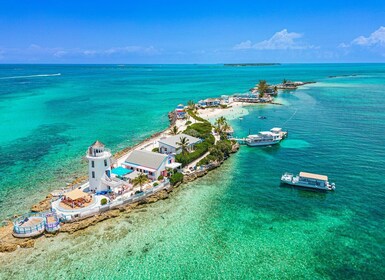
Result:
[
  {"x": 184, "y": 143},
  {"x": 140, "y": 180},
  {"x": 226, "y": 127},
  {"x": 219, "y": 129},
  {"x": 191, "y": 104},
  {"x": 262, "y": 87},
  {"x": 275, "y": 90},
  {"x": 220, "y": 121},
  {"x": 174, "y": 130}
]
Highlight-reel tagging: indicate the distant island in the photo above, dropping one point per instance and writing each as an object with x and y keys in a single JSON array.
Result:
[{"x": 250, "y": 64}]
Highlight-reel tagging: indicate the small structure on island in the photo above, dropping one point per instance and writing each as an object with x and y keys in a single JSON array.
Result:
[
  {"x": 52, "y": 222},
  {"x": 34, "y": 224},
  {"x": 209, "y": 102},
  {"x": 29, "y": 225},
  {"x": 170, "y": 145},
  {"x": 76, "y": 198},
  {"x": 226, "y": 100},
  {"x": 99, "y": 166},
  {"x": 150, "y": 163},
  {"x": 180, "y": 112}
]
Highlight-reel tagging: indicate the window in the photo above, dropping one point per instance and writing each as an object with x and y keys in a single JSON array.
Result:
[
  {"x": 105, "y": 162},
  {"x": 92, "y": 164},
  {"x": 93, "y": 174}
]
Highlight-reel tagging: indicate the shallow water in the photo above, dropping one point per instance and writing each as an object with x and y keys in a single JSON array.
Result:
[{"x": 237, "y": 222}]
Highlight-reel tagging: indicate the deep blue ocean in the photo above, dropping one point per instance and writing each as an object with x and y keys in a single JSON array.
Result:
[{"x": 237, "y": 222}]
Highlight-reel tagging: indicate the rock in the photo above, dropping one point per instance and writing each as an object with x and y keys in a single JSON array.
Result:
[
  {"x": 28, "y": 243},
  {"x": 7, "y": 247},
  {"x": 235, "y": 148},
  {"x": 82, "y": 224},
  {"x": 9, "y": 243},
  {"x": 43, "y": 205}
]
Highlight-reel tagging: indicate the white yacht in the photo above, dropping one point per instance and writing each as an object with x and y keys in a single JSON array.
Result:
[
  {"x": 266, "y": 138},
  {"x": 308, "y": 180}
]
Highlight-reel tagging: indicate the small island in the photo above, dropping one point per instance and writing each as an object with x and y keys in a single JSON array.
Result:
[
  {"x": 250, "y": 64},
  {"x": 198, "y": 140}
]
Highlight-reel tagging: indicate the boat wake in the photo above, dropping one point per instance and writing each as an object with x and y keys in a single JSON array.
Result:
[{"x": 30, "y": 76}]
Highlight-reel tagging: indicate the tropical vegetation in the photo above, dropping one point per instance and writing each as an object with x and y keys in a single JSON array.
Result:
[
  {"x": 175, "y": 178},
  {"x": 218, "y": 152},
  {"x": 140, "y": 180},
  {"x": 194, "y": 116},
  {"x": 200, "y": 130},
  {"x": 174, "y": 130},
  {"x": 262, "y": 87},
  {"x": 183, "y": 144},
  {"x": 222, "y": 127},
  {"x": 191, "y": 105}
]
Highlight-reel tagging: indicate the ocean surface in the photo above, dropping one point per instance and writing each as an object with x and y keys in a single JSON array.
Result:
[{"x": 237, "y": 222}]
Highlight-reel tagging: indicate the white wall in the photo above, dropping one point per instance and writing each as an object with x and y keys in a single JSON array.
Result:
[{"x": 99, "y": 169}]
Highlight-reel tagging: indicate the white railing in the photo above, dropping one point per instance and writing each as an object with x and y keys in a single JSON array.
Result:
[{"x": 116, "y": 203}]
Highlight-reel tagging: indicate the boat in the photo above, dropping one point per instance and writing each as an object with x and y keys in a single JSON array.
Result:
[
  {"x": 308, "y": 180},
  {"x": 262, "y": 118},
  {"x": 266, "y": 138}
]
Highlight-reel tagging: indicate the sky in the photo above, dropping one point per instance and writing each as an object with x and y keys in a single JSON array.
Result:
[{"x": 169, "y": 31}]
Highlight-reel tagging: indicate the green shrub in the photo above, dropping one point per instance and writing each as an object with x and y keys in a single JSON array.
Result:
[
  {"x": 194, "y": 116},
  {"x": 224, "y": 146},
  {"x": 204, "y": 129},
  {"x": 155, "y": 184},
  {"x": 191, "y": 132},
  {"x": 175, "y": 178},
  {"x": 188, "y": 122},
  {"x": 103, "y": 201},
  {"x": 223, "y": 106},
  {"x": 155, "y": 150},
  {"x": 200, "y": 149},
  {"x": 218, "y": 152},
  {"x": 160, "y": 178}
]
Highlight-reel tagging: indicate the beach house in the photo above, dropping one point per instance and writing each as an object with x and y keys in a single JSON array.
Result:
[
  {"x": 150, "y": 163},
  {"x": 170, "y": 145},
  {"x": 180, "y": 112},
  {"x": 209, "y": 102}
]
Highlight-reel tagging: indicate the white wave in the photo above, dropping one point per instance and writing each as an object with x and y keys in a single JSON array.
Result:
[{"x": 31, "y": 76}]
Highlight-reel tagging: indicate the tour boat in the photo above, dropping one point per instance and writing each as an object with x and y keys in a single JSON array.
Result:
[
  {"x": 266, "y": 138},
  {"x": 308, "y": 180}
]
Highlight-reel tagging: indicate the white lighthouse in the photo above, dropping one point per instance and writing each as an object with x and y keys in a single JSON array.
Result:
[{"x": 99, "y": 166}]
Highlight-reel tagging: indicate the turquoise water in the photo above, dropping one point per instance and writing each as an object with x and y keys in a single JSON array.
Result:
[{"x": 237, "y": 222}]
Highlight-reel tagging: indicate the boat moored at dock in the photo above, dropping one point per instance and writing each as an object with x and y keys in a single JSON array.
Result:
[
  {"x": 308, "y": 180},
  {"x": 266, "y": 138}
]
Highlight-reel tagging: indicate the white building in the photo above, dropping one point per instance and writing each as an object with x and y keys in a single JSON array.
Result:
[
  {"x": 170, "y": 145},
  {"x": 99, "y": 166},
  {"x": 150, "y": 163}
]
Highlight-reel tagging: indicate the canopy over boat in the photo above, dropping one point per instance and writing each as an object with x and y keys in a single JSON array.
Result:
[{"x": 313, "y": 176}]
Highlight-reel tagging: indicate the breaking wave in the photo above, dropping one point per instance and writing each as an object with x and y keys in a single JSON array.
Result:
[{"x": 31, "y": 76}]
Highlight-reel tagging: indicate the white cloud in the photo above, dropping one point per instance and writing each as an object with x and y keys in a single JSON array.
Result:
[
  {"x": 244, "y": 45},
  {"x": 377, "y": 38},
  {"x": 282, "y": 40}
]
